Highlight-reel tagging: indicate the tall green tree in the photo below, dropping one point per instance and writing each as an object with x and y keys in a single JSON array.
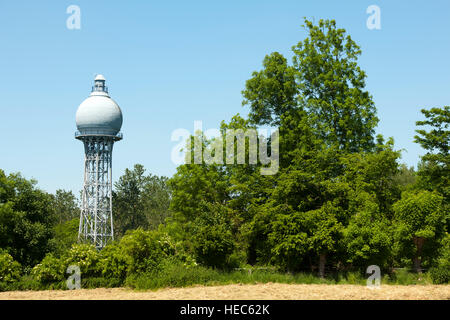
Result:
[
  {"x": 271, "y": 92},
  {"x": 434, "y": 170},
  {"x": 324, "y": 115},
  {"x": 332, "y": 87},
  {"x": 27, "y": 218}
]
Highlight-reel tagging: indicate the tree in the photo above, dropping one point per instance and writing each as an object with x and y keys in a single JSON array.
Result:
[
  {"x": 332, "y": 87},
  {"x": 420, "y": 219},
  {"x": 325, "y": 232},
  {"x": 406, "y": 177},
  {"x": 213, "y": 239},
  {"x": 271, "y": 92},
  {"x": 27, "y": 218},
  {"x": 368, "y": 236},
  {"x": 197, "y": 181},
  {"x": 374, "y": 173},
  {"x": 10, "y": 270},
  {"x": 325, "y": 81},
  {"x": 65, "y": 235},
  {"x": 434, "y": 171},
  {"x": 139, "y": 200},
  {"x": 156, "y": 197},
  {"x": 325, "y": 116},
  {"x": 65, "y": 205}
]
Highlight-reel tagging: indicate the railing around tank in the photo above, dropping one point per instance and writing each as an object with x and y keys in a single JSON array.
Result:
[
  {"x": 99, "y": 89},
  {"x": 118, "y": 136}
]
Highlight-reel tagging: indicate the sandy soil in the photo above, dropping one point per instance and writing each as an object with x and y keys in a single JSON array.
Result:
[{"x": 268, "y": 291}]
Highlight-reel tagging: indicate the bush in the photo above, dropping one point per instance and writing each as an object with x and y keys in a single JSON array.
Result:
[
  {"x": 144, "y": 250},
  {"x": 65, "y": 235},
  {"x": 9, "y": 269},
  {"x": 51, "y": 269},
  {"x": 86, "y": 257},
  {"x": 173, "y": 275},
  {"x": 440, "y": 274},
  {"x": 212, "y": 239},
  {"x": 113, "y": 263}
]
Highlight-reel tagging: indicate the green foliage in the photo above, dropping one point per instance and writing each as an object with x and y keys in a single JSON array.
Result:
[
  {"x": 144, "y": 250},
  {"x": 368, "y": 236},
  {"x": 440, "y": 273},
  {"x": 339, "y": 202},
  {"x": 113, "y": 263},
  {"x": 332, "y": 86},
  {"x": 86, "y": 257},
  {"x": 65, "y": 235},
  {"x": 213, "y": 240},
  {"x": 65, "y": 205},
  {"x": 404, "y": 277},
  {"x": 406, "y": 178},
  {"x": 137, "y": 252},
  {"x": 434, "y": 171},
  {"x": 10, "y": 270},
  {"x": 297, "y": 234},
  {"x": 420, "y": 220},
  {"x": 272, "y": 91},
  {"x": 139, "y": 201},
  {"x": 173, "y": 274},
  {"x": 26, "y": 219},
  {"x": 288, "y": 240},
  {"x": 140, "y": 251},
  {"x": 194, "y": 183},
  {"x": 51, "y": 269},
  {"x": 421, "y": 213}
]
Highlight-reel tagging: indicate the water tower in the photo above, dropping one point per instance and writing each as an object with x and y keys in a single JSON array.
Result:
[{"x": 99, "y": 120}]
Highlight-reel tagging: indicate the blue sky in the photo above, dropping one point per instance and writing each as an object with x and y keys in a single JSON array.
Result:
[{"x": 168, "y": 63}]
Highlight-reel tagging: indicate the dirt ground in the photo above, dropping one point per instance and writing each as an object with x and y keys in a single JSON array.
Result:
[{"x": 270, "y": 291}]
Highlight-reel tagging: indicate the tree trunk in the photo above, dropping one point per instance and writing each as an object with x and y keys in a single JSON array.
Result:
[
  {"x": 322, "y": 261},
  {"x": 417, "y": 260}
]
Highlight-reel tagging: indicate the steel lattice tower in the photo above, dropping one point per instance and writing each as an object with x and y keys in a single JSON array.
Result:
[{"x": 99, "y": 120}]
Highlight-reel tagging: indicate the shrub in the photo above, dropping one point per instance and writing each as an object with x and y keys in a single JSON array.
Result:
[
  {"x": 9, "y": 269},
  {"x": 144, "y": 250},
  {"x": 173, "y": 275},
  {"x": 212, "y": 239},
  {"x": 86, "y": 257},
  {"x": 440, "y": 274},
  {"x": 51, "y": 269},
  {"x": 113, "y": 263},
  {"x": 420, "y": 220}
]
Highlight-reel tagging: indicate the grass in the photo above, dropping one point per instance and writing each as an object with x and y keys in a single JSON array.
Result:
[{"x": 179, "y": 276}]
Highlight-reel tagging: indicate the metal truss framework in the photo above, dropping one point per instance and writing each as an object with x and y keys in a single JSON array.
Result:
[{"x": 96, "y": 221}]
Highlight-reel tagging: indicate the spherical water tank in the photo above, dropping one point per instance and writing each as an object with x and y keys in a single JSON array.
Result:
[{"x": 99, "y": 114}]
